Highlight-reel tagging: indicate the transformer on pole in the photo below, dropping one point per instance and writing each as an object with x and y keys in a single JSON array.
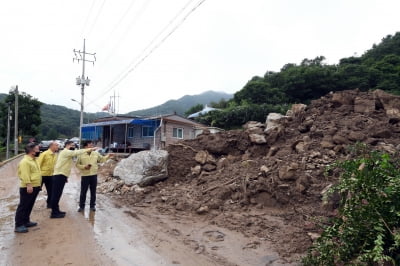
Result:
[{"x": 81, "y": 81}]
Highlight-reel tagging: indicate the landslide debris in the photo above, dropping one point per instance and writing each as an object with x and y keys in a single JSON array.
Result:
[{"x": 268, "y": 179}]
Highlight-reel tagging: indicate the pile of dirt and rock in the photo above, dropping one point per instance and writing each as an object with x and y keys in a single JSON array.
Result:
[{"x": 268, "y": 179}]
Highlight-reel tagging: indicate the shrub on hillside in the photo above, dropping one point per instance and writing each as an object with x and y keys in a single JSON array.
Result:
[{"x": 367, "y": 228}]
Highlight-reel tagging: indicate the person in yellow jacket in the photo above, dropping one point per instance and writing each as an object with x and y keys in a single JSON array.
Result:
[
  {"x": 30, "y": 182},
  {"x": 47, "y": 161},
  {"x": 87, "y": 164},
  {"x": 62, "y": 170}
]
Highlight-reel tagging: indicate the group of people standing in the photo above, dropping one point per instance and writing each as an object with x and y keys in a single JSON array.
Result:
[{"x": 52, "y": 168}]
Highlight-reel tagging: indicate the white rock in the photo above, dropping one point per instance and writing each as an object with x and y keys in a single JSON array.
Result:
[{"x": 143, "y": 168}]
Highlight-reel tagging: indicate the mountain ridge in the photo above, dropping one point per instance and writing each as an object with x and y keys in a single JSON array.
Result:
[{"x": 184, "y": 103}]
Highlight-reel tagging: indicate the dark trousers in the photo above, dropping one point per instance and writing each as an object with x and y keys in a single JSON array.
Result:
[
  {"x": 56, "y": 192},
  {"x": 47, "y": 181},
  {"x": 25, "y": 206},
  {"x": 89, "y": 181}
]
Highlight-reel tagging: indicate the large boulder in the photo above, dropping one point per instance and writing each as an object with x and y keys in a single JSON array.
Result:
[
  {"x": 297, "y": 110},
  {"x": 257, "y": 138},
  {"x": 143, "y": 168},
  {"x": 364, "y": 105},
  {"x": 344, "y": 97},
  {"x": 273, "y": 121},
  {"x": 390, "y": 102}
]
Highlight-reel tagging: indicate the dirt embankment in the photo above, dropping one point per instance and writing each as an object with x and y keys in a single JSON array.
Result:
[{"x": 267, "y": 182}]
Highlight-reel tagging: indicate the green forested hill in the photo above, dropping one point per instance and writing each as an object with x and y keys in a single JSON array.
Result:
[
  {"x": 60, "y": 121},
  {"x": 377, "y": 68}
]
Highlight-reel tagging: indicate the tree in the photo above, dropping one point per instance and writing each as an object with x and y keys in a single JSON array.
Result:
[
  {"x": 310, "y": 80},
  {"x": 52, "y": 134},
  {"x": 260, "y": 92},
  {"x": 29, "y": 119},
  {"x": 221, "y": 104},
  {"x": 194, "y": 109}
]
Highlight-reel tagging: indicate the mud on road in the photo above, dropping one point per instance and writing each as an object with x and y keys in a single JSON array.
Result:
[{"x": 116, "y": 234}]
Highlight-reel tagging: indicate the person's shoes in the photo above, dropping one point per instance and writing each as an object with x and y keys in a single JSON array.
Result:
[
  {"x": 31, "y": 224},
  {"x": 93, "y": 209},
  {"x": 57, "y": 215},
  {"x": 48, "y": 206},
  {"x": 21, "y": 229},
  {"x": 80, "y": 209},
  {"x": 63, "y": 213}
]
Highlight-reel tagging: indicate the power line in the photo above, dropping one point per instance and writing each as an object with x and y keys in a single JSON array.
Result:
[
  {"x": 131, "y": 69},
  {"x": 117, "y": 24},
  {"x": 97, "y": 16},
  {"x": 87, "y": 17},
  {"x": 162, "y": 31},
  {"x": 130, "y": 25},
  {"x": 153, "y": 40}
]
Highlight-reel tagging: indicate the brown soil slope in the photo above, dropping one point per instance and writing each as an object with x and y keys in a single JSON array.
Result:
[{"x": 268, "y": 183}]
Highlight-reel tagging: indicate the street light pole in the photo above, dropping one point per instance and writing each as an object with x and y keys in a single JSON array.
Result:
[
  {"x": 82, "y": 94},
  {"x": 81, "y": 117},
  {"x": 8, "y": 132},
  {"x": 16, "y": 122}
]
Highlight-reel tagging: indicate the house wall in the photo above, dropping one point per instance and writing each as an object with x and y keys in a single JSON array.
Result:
[
  {"x": 167, "y": 130},
  {"x": 119, "y": 133},
  {"x": 163, "y": 137},
  {"x": 138, "y": 141}
]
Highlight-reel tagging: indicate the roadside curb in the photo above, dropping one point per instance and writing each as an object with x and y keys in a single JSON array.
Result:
[{"x": 10, "y": 160}]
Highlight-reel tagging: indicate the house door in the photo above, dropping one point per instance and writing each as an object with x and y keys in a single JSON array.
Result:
[{"x": 106, "y": 136}]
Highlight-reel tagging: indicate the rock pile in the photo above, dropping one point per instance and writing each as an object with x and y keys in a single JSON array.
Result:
[{"x": 276, "y": 166}]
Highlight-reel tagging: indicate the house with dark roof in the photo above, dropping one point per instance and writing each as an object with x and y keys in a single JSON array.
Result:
[{"x": 131, "y": 134}]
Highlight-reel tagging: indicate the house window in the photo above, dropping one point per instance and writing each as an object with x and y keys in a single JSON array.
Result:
[
  {"x": 130, "y": 132},
  {"x": 147, "y": 131},
  {"x": 177, "y": 133}
]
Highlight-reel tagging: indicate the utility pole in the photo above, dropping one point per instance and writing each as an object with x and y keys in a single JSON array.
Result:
[
  {"x": 16, "y": 122},
  {"x": 113, "y": 104},
  {"x": 81, "y": 56},
  {"x": 8, "y": 131}
]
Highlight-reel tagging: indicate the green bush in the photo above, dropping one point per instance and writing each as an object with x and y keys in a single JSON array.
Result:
[
  {"x": 366, "y": 230},
  {"x": 236, "y": 116}
]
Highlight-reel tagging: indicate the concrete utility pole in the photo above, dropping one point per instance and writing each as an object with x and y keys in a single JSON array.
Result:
[
  {"x": 16, "y": 121},
  {"x": 8, "y": 131},
  {"x": 81, "y": 56}
]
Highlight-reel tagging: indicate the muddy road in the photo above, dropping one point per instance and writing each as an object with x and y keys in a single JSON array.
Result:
[
  {"x": 89, "y": 238},
  {"x": 116, "y": 234}
]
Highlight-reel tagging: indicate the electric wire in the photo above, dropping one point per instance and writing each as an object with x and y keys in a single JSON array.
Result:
[
  {"x": 87, "y": 17},
  {"x": 130, "y": 25},
  {"x": 117, "y": 25},
  {"x": 153, "y": 40},
  {"x": 96, "y": 18},
  {"x": 133, "y": 66}
]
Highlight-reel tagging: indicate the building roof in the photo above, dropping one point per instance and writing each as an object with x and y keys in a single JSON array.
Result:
[
  {"x": 149, "y": 121},
  {"x": 205, "y": 110},
  {"x": 114, "y": 118}
]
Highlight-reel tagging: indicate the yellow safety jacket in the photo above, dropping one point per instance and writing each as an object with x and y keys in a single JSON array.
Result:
[
  {"x": 92, "y": 158},
  {"x": 64, "y": 161},
  {"x": 47, "y": 161},
  {"x": 29, "y": 172}
]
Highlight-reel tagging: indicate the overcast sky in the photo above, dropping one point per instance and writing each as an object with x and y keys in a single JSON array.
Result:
[{"x": 219, "y": 46}]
